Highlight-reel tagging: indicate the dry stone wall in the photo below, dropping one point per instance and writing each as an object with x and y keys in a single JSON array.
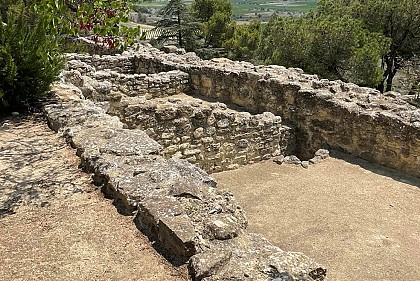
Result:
[
  {"x": 208, "y": 134},
  {"x": 205, "y": 133},
  {"x": 382, "y": 128},
  {"x": 174, "y": 202}
]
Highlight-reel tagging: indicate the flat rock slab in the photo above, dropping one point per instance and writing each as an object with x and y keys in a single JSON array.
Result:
[
  {"x": 55, "y": 224},
  {"x": 359, "y": 219}
]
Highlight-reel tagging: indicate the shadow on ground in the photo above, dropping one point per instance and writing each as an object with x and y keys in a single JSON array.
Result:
[
  {"x": 31, "y": 167},
  {"x": 376, "y": 168}
]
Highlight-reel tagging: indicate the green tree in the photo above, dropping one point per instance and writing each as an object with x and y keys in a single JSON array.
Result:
[
  {"x": 332, "y": 47},
  {"x": 203, "y": 10},
  {"x": 244, "y": 41},
  {"x": 286, "y": 41},
  {"x": 215, "y": 17},
  {"x": 30, "y": 57},
  {"x": 177, "y": 22},
  {"x": 399, "y": 20}
]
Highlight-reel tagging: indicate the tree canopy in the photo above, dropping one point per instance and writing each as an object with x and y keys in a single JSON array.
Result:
[
  {"x": 398, "y": 20},
  {"x": 178, "y": 22},
  {"x": 243, "y": 41},
  {"x": 362, "y": 41}
]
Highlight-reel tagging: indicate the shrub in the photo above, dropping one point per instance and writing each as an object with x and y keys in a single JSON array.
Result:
[{"x": 30, "y": 59}]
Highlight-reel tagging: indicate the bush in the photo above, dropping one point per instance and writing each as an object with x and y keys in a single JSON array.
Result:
[{"x": 30, "y": 59}]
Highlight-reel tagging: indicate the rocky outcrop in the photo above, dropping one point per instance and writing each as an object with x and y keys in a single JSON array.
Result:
[{"x": 175, "y": 203}]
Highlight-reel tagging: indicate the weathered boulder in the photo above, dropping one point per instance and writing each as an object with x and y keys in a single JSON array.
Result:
[
  {"x": 252, "y": 257},
  {"x": 292, "y": 160}
]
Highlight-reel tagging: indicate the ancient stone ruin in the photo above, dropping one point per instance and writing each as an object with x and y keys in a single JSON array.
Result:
[{"x": 150, "y": 126}]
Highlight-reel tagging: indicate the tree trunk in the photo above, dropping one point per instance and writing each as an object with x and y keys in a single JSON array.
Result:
[
  {"x": 389, "y": 73},
  {"x": 179, "y": 30},
  {"x": 391, "y": 76}
]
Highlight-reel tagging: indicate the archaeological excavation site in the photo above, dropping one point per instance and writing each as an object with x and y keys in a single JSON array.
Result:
[{"x": 206, "y": 155}]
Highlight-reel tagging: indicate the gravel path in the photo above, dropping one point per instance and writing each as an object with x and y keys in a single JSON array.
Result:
[{"x": 56, "y": 225}]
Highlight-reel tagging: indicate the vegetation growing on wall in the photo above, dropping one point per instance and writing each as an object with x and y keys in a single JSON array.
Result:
[{"x": 33, "y": 33}]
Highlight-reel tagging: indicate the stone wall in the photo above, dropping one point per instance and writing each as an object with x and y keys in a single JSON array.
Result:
[
  {"x": 382, "y": 128},
  {"x": 174, "y": 202},
  {"x": 205, "y": 133},
  {"x": 101, "y": 77},
  {"x": 208, "y": 134}
]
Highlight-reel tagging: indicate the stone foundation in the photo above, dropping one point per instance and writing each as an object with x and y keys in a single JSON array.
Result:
[
  {"x": 208, "y": 134},
  {"x": 270, "y": 111},
  {"x": 381, "y": 128},
  {"x": 174, "y": 202},
  {"x": 205, "y": 133}
]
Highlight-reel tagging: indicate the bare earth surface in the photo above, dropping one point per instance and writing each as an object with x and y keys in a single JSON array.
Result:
[
  {"x": 360, "y": 220},
  {"x": 56, "y": 225}
]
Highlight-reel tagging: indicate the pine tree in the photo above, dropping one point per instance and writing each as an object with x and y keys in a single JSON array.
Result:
[{"x": 177, "y": 22}]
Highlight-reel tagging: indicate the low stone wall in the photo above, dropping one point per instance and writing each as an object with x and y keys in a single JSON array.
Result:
[
  {"x": 208, "y": 134},
  {"x": 382, "y": 128},
  {"x": 118, "y": 63},
  {"x": 175, "y": 203},
  {"x": 99, "y": 85},
  {"x": 205, "y": 133}
]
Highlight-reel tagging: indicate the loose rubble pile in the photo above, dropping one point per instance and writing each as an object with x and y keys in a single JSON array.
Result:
[
  {"x": 175, "y": 203},
  {"x": 320, "y": 155}
]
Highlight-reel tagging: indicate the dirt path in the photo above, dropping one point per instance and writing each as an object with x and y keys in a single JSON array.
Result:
[
  {"x": 55, "y": 225},
  {"x": 361, "y": 220}
]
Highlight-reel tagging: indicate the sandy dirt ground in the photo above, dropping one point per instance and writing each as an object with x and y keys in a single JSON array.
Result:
[
  {"x": 56, "y": 225},
  {"x": 360, "y": 220}
]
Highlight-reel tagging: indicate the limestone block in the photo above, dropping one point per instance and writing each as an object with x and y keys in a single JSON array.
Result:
[
  {"x": 167, "y": 136},
  {"x": 237, "y": 259},
  {"x": 172, "y": 149},
  {"x": 211, "y": 131},
  {"x": 190, "y": 152},
  {"x": 242, "y": 143},
  {"x": 122, "y": 142},
  {"x": 198, "y": 133},
  {"x": 174, "y": 231}
]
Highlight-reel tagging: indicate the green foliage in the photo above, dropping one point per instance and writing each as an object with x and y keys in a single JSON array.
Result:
[
  {"x": 286, "y": 41},
  {"x": 203, "y": 10},
  {"x": 332, "y": 47},
  {"x": 244, "y": 41},
  {"x": 100, "y": 19},
  {"x": 215, "y": 17},
  {"x": 399, "y": 20},
  {"x": 178, "y": 22},
  {"x": 29, "y": 59}
]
